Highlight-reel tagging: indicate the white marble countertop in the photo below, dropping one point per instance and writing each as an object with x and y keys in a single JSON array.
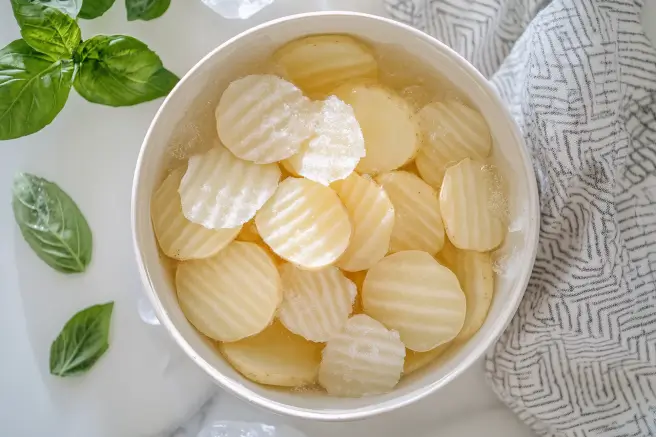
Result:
[{"x": 144, "y": 386}]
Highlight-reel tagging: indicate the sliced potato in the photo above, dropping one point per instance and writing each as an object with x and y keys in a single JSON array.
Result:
[
  {"x": 358, "y": 279},
  {"x": 417, "y": 219},
  {"x": 319, "y": 63},
  {"x": 305, "y": 223},
  {"x": 416, "y": 360},
  {"x": 473, "y": 208},
  {"x": 414, "y": 294},
  {"x": 275, "y": 356},
  {"x": 263, "y": 118},
  {"x": 450, "y": 132},
  {"x": 231, "y": 295},
  {"x": 391, "y": 136},
  {"x": 220, "y": 191},
  {"x": 365, "y": 358},
  {"x": 372, "y": 218},
  {"x": 316, "y": 304},
  {"x": 249, "y": 233},
  {"x": 476, "y": 277},
  {"x": 335, "y": 147},
  {"x": 178, "y": 237}
]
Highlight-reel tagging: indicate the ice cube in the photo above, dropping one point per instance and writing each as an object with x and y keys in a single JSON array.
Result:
[{"x": 233, "y": 9}]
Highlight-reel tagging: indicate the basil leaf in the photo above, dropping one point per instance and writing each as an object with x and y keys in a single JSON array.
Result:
[
  {"x": 82, "y": 341},
  {"x": 52, "y": 224},
  {"x": 146, "y": 9},
  {"x": 120, "y": 70},
  {"x": 33, "y": 89},
  {"x": 47, "y": 30},
  {"x": 94, "y": 8}
]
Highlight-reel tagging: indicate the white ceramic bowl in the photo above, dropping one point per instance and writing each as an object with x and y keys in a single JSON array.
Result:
[{"x": 244, "y": 54}]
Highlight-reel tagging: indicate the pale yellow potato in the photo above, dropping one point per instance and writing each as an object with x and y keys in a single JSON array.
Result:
[
  {"x": 418, "y": 222},
  {"x": 263, "y": 118},
  {"x": 391, "y": 136},
  {"x": 365, "y": 358},
  {"x": 249, "y": 233},
  {"x": 288, "y": 170},
  {"x": 316, "y": 304},
  {"x": 476, "y": 277},
  {"x": 372, "y": 217},
  {"x": 319, "y": 63},
  {"x": 335, "y": 147},
  {"x": 275, "y": 356},
  {"x": 472, "y": 207},
  {"x": 414, "y": 294},
  {"x": 358, "y": 280},
  {"x": 450, "y": 132},
  {"x": 220, "y": 191},
  {"x": 416, "y": 360},
  {"x": 305, "y": 223},
  {"x": 448, "y": 256},
  {"x": 178, "y": 237},
  {"x": 233, "y": 294}
]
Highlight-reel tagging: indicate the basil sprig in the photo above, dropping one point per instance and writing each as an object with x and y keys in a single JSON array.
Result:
[{"x": 37, "y": 72}]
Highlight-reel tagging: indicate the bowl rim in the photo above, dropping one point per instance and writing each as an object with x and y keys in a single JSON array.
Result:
[{"x": 336, "y": 415}]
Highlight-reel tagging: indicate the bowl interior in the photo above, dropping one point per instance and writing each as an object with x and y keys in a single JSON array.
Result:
[{"x": 185, "y": 122}]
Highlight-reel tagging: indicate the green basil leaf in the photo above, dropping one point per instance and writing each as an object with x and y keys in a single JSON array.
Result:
[
  {"x": 146, "y": 9},
  {"x": 82, "y": 341},
  {"x": 33, "y": 89},
  {"x": 52, "y": 224},
  {"x": 94, "y": 8},
  {"x": 120, "y": 70},
  {"x": 47, "y": 30}
]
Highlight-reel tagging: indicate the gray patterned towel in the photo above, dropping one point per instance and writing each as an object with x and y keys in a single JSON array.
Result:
[{"x": 579, "y": 358}]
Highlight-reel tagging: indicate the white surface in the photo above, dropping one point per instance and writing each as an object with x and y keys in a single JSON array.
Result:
[{"x": 90, "y": 151}]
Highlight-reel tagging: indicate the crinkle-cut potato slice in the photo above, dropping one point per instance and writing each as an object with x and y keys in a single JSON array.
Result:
[
  {"x": 450, "y": 131},
  {"x": 275, "y": 356},
  {"x": 414, "y": 294},
  {"x": 288, "y": 170},
  {"x": 476, "y": 276},
  {"x": 365, "y": 358},
  {"x": 448, "y": 256},
  {"x": 418, "y": 222},
  {"x": 178, "y": 237},
  {"x": 358, "y": 280},
  {"x": 233, "y": 294},
  {"x": 249, "y": 233},
  {"x": 305, "y": 223},
  {"x": 220, "y": 191},
  {"x": 391, "y": 136},
  {"x": 334, "y": 149},
  {"x": 416, "y": 360},
  {"x": 263, "y": 118},
  {"x": 473, "y": 208},
  {"x": 316, "y": 304},
  {"x": 319, "y": 63},
  {"x": 372, "y": 218}
]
